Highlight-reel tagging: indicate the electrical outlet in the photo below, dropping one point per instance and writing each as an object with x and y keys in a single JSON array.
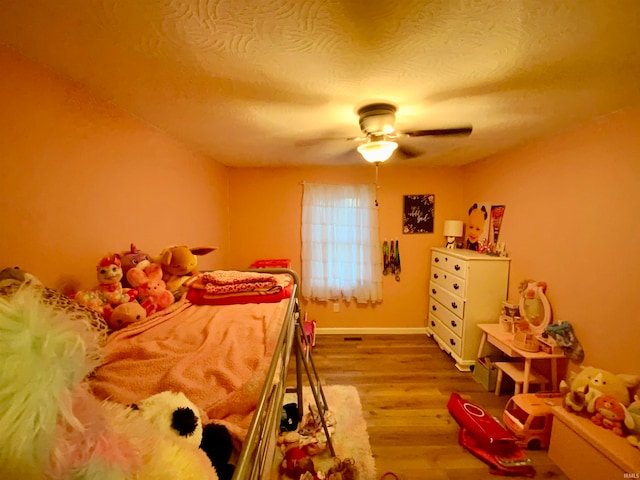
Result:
[{"x": 336, "y": 307}]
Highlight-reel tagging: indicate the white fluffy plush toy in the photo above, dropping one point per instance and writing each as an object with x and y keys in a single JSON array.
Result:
[{"x": 52, "y": 427}]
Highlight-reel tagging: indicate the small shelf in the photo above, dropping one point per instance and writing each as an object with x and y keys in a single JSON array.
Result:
[{"x": 515, "y": 370}]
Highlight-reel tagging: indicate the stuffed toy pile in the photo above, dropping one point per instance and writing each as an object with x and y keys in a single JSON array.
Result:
[
  {"x": 52, "y": 427},
  {"x": 605, "y": 399},
  {"x": 132, "y": 285}
]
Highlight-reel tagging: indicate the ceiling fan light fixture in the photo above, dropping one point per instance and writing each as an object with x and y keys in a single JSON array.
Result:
[{"x": 377, "y": 151}]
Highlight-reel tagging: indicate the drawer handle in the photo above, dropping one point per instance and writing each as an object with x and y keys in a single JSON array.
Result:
[
  {"x": 436, "y": 260},
  {"x": 435, "y": 275},
  {"x": 452, "y": 342},
  {"x": 434, "y": 291},
  {"x": 433, "y": 324},
  {"x": 434, "y": 308},
  {"x": 456, "y": 286},
  {"x": 454, "y": 324},
  {"x": 457, "y": 267},
  {"x": 454, "y": 304}
]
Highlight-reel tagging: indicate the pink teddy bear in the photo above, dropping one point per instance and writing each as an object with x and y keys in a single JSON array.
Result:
[{"x": 152, "y": 290}]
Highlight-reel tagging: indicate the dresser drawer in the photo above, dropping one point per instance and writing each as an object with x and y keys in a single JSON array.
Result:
[
  {"x": 446, "y": 317},
  {"x": 451, "y": 341},
  {"x": 449, "y": 263},
  {"x": 449, "y": 300},
  {"x": 449, "y": 281}
]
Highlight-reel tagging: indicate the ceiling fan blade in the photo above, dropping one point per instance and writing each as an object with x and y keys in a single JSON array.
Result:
[
  {"x": 438, "y": 132},
  {"x": 408, "y": 152},
  {"x": 312, "y": 142}
]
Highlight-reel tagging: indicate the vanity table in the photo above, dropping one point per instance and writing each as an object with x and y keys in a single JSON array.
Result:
[{"x": 494, "y": 334}]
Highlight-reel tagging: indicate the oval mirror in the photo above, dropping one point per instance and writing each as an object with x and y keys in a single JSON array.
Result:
[{"x": 534, "y": 306}]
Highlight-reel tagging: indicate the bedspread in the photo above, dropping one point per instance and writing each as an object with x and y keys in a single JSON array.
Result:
[{"x": 216, "y": 355}]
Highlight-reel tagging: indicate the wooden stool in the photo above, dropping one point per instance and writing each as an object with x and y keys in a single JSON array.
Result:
[{"x": 515, "y": 370}]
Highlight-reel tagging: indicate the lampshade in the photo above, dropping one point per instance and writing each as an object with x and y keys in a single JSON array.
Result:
[
  {"x": 452, "y": 228},
  {"x": 377, "y": 151}
]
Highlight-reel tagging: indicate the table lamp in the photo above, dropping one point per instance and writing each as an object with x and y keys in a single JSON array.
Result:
[{"x": 452, "y": 229}]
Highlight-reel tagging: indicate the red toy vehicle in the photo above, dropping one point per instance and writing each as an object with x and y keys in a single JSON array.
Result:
[{"x": 528, "y": 416}]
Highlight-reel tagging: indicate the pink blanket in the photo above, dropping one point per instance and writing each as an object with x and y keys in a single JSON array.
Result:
[{"x": 217, "y": 356}]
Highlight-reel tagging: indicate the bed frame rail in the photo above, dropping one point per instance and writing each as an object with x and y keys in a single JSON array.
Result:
[{"x": 257, "y": 455}]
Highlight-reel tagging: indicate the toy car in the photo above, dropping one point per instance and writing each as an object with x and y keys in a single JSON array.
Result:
[{"x": 528, "y": 416}]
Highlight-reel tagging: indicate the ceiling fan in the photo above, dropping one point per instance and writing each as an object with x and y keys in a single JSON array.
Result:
[{"x": 377, "y": 122}]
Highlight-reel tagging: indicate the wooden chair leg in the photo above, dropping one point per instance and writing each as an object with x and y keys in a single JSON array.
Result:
[{"x": 517, "y": 389}]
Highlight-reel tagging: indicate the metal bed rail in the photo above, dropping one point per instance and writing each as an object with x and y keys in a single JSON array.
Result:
[{"x": 258, "y": 450}]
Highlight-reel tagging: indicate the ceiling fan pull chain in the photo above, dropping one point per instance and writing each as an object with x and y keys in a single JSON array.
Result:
[{"x": 377, "y": 183}]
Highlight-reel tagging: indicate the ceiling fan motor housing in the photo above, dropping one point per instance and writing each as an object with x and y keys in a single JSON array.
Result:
[{"x": 377, "y": 118}]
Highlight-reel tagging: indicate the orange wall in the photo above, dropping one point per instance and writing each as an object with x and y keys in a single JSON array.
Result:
[
  {"x": 565, "y": 198},
  {"x": 572, "y": 219},
  {"x": 81, "y": 179},
  {"x": 262, "y": 228}
]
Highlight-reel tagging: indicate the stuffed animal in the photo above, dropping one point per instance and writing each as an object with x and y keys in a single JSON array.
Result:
[
  {"x": 11, "y": 275},
  {"x": 152, "y": 290},
  {"x": 634, "y": 431},
  {"x": 109, "y": 293},
  {"x": 109, "y": 277},
  {"x": 173, "y": 413},
  {"x": 218, "y": 445},
  {"x": 116, "y": 436},
  {"x": 178, "y": 264},
  {"x": 342, "y": 470},
  {"x": 125, "y": 314},
  {"x": 297, "y": 463},
  {"x": 611, "y": 414},
  {"x": 51, "y": 425},
  {"x": 591, "y": 382},
  {"x": 133, "y": 258}
]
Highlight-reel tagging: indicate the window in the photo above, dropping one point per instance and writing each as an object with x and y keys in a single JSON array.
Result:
[{"x": 341, "y": 257}]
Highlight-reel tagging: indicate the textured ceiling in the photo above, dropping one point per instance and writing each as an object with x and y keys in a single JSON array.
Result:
[{"x": 255, "y": 83}]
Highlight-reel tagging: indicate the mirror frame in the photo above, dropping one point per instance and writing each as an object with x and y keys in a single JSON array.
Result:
[{"x": 532, "y": 289}]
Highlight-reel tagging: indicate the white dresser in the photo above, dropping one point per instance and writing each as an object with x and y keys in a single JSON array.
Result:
[{"x": 465, "y": 288}]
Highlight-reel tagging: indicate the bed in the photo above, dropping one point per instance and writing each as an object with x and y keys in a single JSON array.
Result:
[{"x": 228, "y": 351}]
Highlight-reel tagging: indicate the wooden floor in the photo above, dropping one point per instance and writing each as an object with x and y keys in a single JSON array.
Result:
[{"x": 404, "y": 382}]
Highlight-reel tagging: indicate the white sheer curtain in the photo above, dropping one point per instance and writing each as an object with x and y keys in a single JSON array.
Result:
[{"x": 341, "y": 256}]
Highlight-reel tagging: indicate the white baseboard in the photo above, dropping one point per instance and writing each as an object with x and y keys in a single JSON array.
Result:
[{"x": 372, "y": 331}]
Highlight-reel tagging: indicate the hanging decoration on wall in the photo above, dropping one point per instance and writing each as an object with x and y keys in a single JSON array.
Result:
[
  {"x": 391, "y": 258},
  {"x": 386, "y": 258},
  {"x": 417, "y": 216},
  {"x": 396, "y": 261}
]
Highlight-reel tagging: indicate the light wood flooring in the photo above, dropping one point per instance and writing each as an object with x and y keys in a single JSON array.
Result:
[{"x": 404, "y": 382}]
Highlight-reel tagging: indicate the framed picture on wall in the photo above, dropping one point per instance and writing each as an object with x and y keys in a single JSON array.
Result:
[{"x": 417, "y": 214}]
